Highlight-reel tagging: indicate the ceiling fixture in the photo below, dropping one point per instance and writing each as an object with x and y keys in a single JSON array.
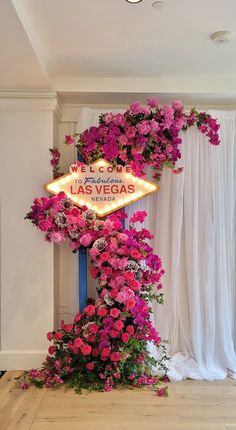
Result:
[
  {"x": 133, "y": 1},
  {"x": 221, "y": 37},
  {"x": 158, "y": 4}
]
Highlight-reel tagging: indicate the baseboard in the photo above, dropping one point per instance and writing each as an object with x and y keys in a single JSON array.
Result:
[{"x": 21, "y": 360}]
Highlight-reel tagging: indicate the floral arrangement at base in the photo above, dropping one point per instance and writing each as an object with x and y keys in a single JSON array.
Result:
[
  {"x": 107, "y": 344},
  {"x": 143, "y": 136}
]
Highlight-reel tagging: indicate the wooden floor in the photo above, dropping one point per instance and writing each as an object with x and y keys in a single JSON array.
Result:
[{"x": 191, "y": 405}]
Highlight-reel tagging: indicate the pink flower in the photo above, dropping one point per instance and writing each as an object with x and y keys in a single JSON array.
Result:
[
  {"x": 58, "y": 335},
  {"x": 125, "y": 337},
  {"x": 68, "y": 327},
  {"x": 77, "y": 317},
  {"x": 135, "y": 254},
  {"x": 50, "y": 336},
  {"x": 177, "y": 104},
  {"x": 113, "y": 333},
  {"x": 78, "y": 342},
  {"x": 69, "y": 140},
  {"x": 105, "y": 352},
  {"x": 51, "y": 349},
  {"x": 86, "y": 239},
  {"x": 130, "y": 304},
  {"x": 57, "y": 237},
  {"x": 94, "y": 272},
  {"x": 89, "y": 310},
  {"x": 130, "y": 329},
  {"x": 153, "y": 102},
  {"x": 102, "y": 312},
  {"x": 114, "y": 312},
  {"x": 24, "y": 386},
  {"x": 139, "y": 216},
  {"x": 86, "y": 349},
  {"x": 118, "y": 325},
  {"x": 105, "y": 256},
  {"x": 115, "y": 356},
  {"x": 162, "y": 391},
  {"x": 93, "y": 328},
  {"x": 90, "y": 366}
]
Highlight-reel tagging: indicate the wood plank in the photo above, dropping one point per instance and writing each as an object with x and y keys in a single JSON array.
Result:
[
  {"x": 18, "y": 407},
  {"x": 192, "y": 405}
]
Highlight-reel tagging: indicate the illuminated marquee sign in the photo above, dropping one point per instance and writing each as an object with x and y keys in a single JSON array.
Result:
[{"x": 101, "y": 186}]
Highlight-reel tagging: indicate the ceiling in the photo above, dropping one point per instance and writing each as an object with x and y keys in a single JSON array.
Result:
[{"x": 110, "y": 46}]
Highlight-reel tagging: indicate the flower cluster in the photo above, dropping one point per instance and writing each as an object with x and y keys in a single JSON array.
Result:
[
  {"x": 106, "y": 344},
  {"x": 143, "y": 136},
  {"x": 54, "y": 161}
]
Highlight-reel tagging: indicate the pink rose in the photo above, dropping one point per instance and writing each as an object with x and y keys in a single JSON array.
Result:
[
  {"x": 102, "y": 312},
  {"x": 78, "y": 342},
  {"x": 115, "y": 356},
  {"x": 77, "y": 317},
  {"x": 68, "y": 327},
  {"x": 105, "y": 352},
  {"x": 58, "y": 335},
  {"x": 118, "y": 325},
  {"x": 114, "y": 312},
  {"x": 90, "y": 366},
  {"x": 51, "y": 349},
  {"x": 113, "y": 333},
  {"x": 89, "y": 310},
  {"x": 86, "y": 349},
  {"x": 93, "y": 328},
  {"x": 50, "y": 336},
  {"x": 94, "y": 272},
  {"x": 105, "y": 256},
  {"x": 125, "y": 337},
  {"x": 130, "y": 329}
]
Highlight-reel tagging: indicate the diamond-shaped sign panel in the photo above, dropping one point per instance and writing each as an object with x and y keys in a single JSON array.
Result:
[{"x": 101, "y": 186}]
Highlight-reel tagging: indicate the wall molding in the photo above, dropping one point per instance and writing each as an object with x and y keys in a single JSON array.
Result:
[
  {"x": 21, "y": 360},
  {"x": 31, "y": 100}
]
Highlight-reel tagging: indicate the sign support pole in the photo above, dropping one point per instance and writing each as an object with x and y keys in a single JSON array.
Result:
[{"x": 83, "y": 274}]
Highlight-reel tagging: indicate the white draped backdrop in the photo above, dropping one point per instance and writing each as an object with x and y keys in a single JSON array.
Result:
[{"x": 193, "y": 218}]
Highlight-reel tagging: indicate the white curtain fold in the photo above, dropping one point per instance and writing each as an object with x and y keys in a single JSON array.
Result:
[{"x": 193, "y": 218}]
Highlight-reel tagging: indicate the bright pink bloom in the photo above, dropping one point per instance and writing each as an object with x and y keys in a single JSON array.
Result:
[
  {"x": 114, "y": 312},
  {"x": 58, "y": 335},
  {"x": 50, "y": 335},
  {"x": 89, "y": 310},
  {"x": 86, "y": 349},
  {"x": 118, "y": 325},
  {"x": 102, "y": 312},
  {"x": 125, "y": 337},
  {"x": 90, "y": 366},
  {"x": 78, "y": 342}
]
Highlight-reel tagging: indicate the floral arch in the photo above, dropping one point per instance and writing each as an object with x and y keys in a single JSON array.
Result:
[{"x": 106, "y": 344}]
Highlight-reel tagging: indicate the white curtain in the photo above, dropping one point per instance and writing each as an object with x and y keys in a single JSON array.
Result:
[{"x": 193, "y": 218}]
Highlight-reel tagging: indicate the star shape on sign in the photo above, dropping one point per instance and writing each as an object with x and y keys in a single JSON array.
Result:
[{"x": 101, "y": 186}]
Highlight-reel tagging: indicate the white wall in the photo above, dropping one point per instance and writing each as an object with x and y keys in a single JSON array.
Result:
[{"x": 27, "y": 284}]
